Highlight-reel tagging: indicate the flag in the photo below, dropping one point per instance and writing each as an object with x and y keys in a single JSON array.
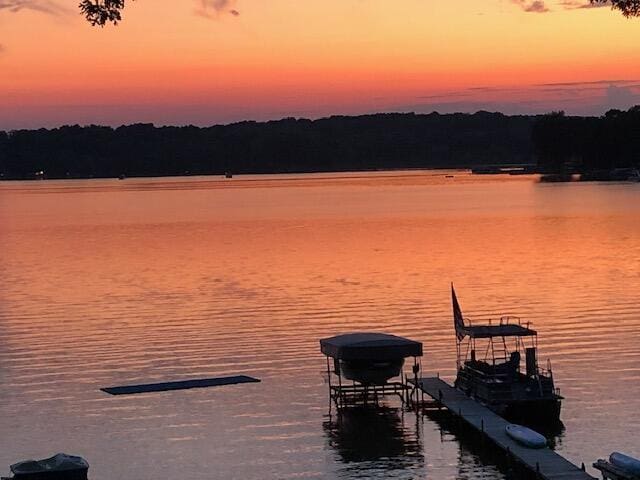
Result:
[{"x": 458, "y": 320}]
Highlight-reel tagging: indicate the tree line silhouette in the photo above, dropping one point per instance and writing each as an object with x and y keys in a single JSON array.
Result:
[
  {"x": 588, "y": 145},
  {"x": 339, "y": 143},
  {"x": 558, "y": 143}
]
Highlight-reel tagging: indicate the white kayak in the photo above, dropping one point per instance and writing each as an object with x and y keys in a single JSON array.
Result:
[
  {"x": 625, "y": 462},
  {"x": 525, "y": 436}
]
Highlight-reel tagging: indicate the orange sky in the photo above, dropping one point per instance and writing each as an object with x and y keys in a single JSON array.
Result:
[{"x": 171, "y": 62}]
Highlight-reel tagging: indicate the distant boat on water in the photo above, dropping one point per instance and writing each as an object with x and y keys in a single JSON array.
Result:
[
  {"x": 625, "y": 174},
  {"x": 614, "y": 175}
]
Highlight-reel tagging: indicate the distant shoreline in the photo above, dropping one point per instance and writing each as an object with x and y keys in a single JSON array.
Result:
[
  {"x": 598, "y": 148},
  {"x": 354, "y": 174},
  {"x": 335, "y": 144}
]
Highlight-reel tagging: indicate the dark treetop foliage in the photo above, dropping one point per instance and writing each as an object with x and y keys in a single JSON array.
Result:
[
  {"x": 629, "y": 8},
  {"x": 101, "y": 12},
  {"x": 588, "y": 144}
]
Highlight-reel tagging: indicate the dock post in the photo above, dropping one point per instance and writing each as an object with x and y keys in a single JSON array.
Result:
[
  {"x": 416, "y": 369},
  {"x": 330, "y": 389},
  {"x": 340, "y": 392}
]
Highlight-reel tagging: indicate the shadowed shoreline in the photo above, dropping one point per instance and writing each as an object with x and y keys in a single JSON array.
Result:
[{"x": 487, "y": 142}]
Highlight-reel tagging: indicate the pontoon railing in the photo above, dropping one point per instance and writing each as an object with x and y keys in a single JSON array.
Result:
[{"x": 503, "y": 320}]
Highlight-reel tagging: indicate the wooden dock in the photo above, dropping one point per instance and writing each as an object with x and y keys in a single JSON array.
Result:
[{"x": 544, "y": 462}]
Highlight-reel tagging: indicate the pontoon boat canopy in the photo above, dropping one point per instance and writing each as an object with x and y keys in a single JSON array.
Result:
[
  {"x": 370, "y": 346},
  {"x": 488, "y": 331}
]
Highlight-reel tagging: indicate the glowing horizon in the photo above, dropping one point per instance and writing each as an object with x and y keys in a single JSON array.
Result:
[{"x": 170, "y": 64}]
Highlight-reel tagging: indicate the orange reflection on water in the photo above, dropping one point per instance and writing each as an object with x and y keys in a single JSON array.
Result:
[{"x": 114, "y": 282}]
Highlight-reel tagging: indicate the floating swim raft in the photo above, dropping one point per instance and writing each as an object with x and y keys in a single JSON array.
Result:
[{"x": 181, "y": 385}]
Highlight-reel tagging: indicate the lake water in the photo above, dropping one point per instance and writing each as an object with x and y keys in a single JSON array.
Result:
[{"x": 108, "y": 282}]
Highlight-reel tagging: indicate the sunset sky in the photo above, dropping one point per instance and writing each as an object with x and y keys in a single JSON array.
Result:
[{"x": 216, "y": 61}]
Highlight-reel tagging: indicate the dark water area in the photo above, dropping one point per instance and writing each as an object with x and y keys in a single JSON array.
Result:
[{"x": 109, "y": 282}]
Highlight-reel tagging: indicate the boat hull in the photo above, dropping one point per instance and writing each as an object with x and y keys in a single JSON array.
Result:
[
  {"x": 521, "y": 400},
  {"x": 371, "y": 372}
]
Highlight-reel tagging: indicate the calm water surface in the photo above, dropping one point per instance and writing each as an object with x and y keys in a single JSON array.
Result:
[{"x": 108, "y": 282}]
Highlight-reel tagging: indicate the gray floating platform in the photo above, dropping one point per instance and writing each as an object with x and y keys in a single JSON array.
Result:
[
  {"x": 183, "y": 385},
  {"x": 546, "y": 463}
]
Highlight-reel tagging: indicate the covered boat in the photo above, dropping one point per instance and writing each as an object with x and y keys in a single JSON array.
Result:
[
  {"x": 58, "y": 467},
  {"x": 369, "y": 358},
  {"x": 497, "y": 380},
  {"x": 625, "y": 462}
]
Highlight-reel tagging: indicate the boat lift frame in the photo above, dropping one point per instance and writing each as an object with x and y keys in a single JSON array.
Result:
[{"x": 356, "y": 394}]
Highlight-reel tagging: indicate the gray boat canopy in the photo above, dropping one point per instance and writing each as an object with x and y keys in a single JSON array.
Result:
[
  {"x": 490, "y": 331},
  {"x": 485, "y": 331},
  {"x": 370, "y": 346}
]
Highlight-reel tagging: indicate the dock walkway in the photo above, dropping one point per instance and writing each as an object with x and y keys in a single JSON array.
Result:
[{"x": 548, "y": 464}]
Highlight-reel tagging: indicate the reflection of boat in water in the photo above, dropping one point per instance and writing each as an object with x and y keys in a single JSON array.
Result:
[
  {"x": 366, "y": 434},
  {"x": 496, "y": 380}
]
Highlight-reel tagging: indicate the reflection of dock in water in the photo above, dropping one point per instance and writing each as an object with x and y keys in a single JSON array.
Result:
[
  {"x": 376, "y": 438},
  {"x": 544, "y": 463}
]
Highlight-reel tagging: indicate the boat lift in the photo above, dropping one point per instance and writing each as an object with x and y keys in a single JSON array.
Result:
[{"x": 367, "y": 367}]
